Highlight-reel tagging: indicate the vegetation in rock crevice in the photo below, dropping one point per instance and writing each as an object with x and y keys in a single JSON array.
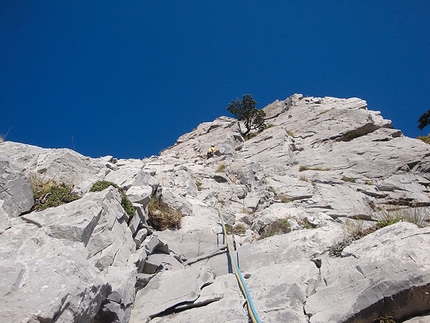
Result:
[
  {"x": 48, "y": 193},
  {"x": 162, "y": 216},
  {"x": 384, "y": 319},
  {"x": 349, "y": 179},
  {"x": 126, "y": 204},
  {"x": 280, "y": 197},
  {"x": 238, "y": 229},
  {"x": 318, "y": 168},
  {"x": 412, "y": 215},
  {"x": 279, "y": 226},
  {"x": 221, "y": 168},
  {"x": 425, "y": 139},
  {"x": 199, "y": 185},
  {"x": 385, "y": 218}
]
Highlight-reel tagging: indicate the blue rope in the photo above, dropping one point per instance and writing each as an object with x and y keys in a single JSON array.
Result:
[{"x": 251, "y": 310}]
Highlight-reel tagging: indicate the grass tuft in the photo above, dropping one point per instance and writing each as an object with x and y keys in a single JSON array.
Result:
[
  {"x": 290, "y": 133},
  {"x": 349, "y": 179},
  {"x": 426, "y": 139},
  {"x": 279, "y": 226},
  {"x": 304, "y": 168},
  {"x": 384, "y": 319},
  {"x": 51, "y": 194},
  {"x": 412, "y": 215},
  {"x": 221, "y": 168},
  {"x": 357, "y": 230},
  {"x": 238, "y": 229},
  {"x": 162, "y": 216}
]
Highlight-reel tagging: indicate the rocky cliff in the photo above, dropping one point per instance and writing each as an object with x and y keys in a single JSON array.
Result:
[{"x": 327, "y": 212}]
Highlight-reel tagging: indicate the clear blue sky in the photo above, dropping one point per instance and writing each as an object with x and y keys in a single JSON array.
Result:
[{"x": 127, "y": 78}]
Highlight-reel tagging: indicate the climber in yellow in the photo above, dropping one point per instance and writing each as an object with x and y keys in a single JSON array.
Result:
[{"x": 211, "y": 151}]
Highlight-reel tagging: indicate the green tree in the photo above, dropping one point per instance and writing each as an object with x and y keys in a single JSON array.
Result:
[
  {"x": 424, "y": 120},
  {"x": 246, "y": 111}
]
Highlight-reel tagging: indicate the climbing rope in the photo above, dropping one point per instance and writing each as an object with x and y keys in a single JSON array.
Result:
[{"x": 251, "y": 310}]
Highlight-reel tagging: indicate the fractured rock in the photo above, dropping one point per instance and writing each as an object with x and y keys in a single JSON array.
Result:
[{"x": 170, "y": 289}]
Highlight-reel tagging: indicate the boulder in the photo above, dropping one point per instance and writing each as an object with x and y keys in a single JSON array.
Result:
[
  {"x": 97, "y": 220},
  {"x": 175, "y": 201},
  {"x": 118, "y": 304},
  {"x": 140, "y": 194},
  {"x": 15, "y": 190},
  {"x": 373, "y": 284},
  {"x": 61, "y": 165},
  {"x": 48, "y": 279},
  {"x": 172, "y": 289},
  {"x": 228, "y": 308}
]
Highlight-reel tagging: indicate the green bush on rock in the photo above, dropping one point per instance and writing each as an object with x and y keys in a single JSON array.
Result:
[
  {"x": 51, "y": 194},
  {"x": 125, "y": 202},
  {"x": 279, "y": 226}
]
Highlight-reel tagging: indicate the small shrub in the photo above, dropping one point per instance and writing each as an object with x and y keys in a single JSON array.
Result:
[
  {"x": 415, "y": 216},
  {"x": 285, "y": 223},
  {"x": 368, "y": 183},
  {"x": 290, "y": 133},
  {"x": 279, "y": 226},
  {"x": 162, "y": 216},
  {"x": 411, "y": 215},
  {"x": 324, "y": 169},
  {"x": 238, "y": 229},
  {"x": 125, "y": 202},
  {"x": 304, "y": 168},
  {"x": 307, "y": 225},
  {"x": 385, "y": 319},
  {"x": 285, "y": 199},
  {"x": 336, "y": 249},
  {"x": 221, "y": 168},
  {"x": 358, "y": 229},
  {"x": 303, "y": 178},
  {"x": 349, "y": 179},
  {"x": 199, "y": 185},
  {"x": 251, "y": 135},
  {"x": 270, "y": 125},
  {"x": 51, "y": 194},
  {"x": 426, "y": 139},
  {"x": 386, "y": 220},
  {"x": 325, "y": 111}
]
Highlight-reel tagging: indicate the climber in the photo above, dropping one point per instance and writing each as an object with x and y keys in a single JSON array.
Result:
[{"x": 211, "y": 151}]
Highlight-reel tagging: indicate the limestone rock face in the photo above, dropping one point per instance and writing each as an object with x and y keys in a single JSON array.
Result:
[
  {"x": 44, "y": 278},
  {"x": 15, "y": 190},
  {"x": 328, "y": 209},
  {"x": 386, "y": 271}
]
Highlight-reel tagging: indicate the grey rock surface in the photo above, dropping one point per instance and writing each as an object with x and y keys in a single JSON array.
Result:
[
  {"x": 15, "y": 189},
  {"x": 44, "y": 278},
  {"x": 312, "y": 185}
]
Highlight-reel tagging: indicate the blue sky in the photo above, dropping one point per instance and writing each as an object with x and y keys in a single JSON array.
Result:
[{"x": 127, "y": 78}]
